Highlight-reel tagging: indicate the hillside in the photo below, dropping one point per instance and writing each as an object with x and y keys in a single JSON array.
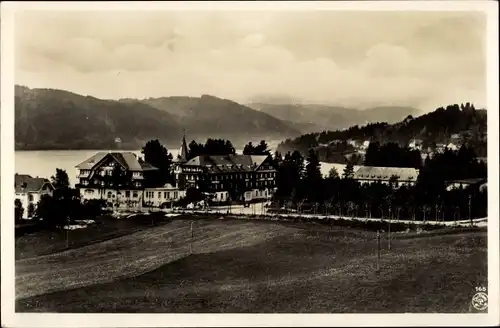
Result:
[
  {"x": 57, "y": 119},
  {"x": 314, "y": 118},
  {"x": 432, "y": 128},
  {"x": 208, "y": 115}
]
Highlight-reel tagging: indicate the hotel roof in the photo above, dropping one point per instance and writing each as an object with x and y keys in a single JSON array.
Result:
[
  {"x": 127, "y": 159},
  {"x": 385, "y": 173},
  {"x": 228, "y": 163}
]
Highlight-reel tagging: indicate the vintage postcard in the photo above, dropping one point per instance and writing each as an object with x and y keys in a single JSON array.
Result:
[{"x": 249, "y": 164}]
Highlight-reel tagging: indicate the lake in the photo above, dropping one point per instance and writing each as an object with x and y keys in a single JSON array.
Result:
[{"x": 44, "y": 163}]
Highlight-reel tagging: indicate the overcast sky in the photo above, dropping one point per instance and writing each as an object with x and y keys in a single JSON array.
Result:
[{"x": 361, "y": 59}]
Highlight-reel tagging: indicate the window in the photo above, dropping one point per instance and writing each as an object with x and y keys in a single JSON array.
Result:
[
  {"x": 127, "y": 193},
  {"x": 159, "y": 194},
  {"x": 109, "y": 194},
  {"x": 30, "y": 197},
  {"x": 167, "y": 195},
  {"x": 135, "y": 194},
  {"x": 175, "y": 194}
]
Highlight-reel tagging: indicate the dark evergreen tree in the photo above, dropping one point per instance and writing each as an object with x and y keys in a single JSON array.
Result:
[
  {"x": 195, "y": 149},
  {"x": 312, "y": 168},
  {"x": 18, "y": 210},
  {"x": 60, "y": 179},
  {"x": 333, "y": 174},
  {"x": 348, "y": 171},
  {"x": 158, "y": 156}
]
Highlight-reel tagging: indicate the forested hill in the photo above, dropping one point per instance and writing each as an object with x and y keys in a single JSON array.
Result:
[
  {"x": 48, "y": 119},
  {"x": 209, "y": 116},
  {"x": 439, "y": 126}
]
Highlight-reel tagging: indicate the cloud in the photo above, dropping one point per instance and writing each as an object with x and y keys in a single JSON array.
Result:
[{"x": 350, "y": 58}]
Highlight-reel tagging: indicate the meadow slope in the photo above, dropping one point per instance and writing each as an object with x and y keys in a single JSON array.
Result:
[{"x": 244, "y": 266}]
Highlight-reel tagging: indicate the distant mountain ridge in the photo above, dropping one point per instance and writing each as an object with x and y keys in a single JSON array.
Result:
[
  {"x": 316, "y": 118},
  {"x": 48, "y": 119}
]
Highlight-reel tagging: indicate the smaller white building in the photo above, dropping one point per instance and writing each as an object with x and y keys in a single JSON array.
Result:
[
  {"x": 365, "y": 145},
  {"x": 466, "y": 183},
  {"x": 29, "y": 191},
  {"x": 440, "y": 148},
  {"x": 400, "y": 176},
  {"x": 415, "y": 144},
  {"x": 163, "y": 196},
  {"x": 452, "y": 146},
  {"x": 353, "y": 143}
]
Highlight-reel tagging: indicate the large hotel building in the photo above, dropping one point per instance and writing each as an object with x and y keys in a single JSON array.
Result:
[{"x": 224, "y": 177}]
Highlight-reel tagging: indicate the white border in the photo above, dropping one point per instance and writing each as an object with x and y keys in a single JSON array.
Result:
[{"x": 10, "y": 319}]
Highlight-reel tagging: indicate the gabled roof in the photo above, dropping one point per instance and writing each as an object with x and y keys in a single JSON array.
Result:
[
  {"x": 30, "y": 184},
  {"x": 385, "y": 173},
  {"x": 89, "y": 163},
  {"x": 126, "y": 159},
  {"x": 228, "y": 163}
]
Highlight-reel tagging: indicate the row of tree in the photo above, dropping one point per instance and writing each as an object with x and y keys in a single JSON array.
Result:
[
  {"x": 158, "y": 155},
  {"x": 211, "y": 147},
  {"x": 303, "y": 186}
]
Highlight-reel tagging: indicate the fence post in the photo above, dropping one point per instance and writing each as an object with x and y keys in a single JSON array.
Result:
[
  {"x": 378, "y": 251},
  {"x": 389, "y": 233},
  {"x": 191, "y": 240}
]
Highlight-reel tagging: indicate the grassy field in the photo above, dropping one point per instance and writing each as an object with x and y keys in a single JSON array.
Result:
[
  {"x": 105, "y": 228},
  {"x": 245, "y": 266}
]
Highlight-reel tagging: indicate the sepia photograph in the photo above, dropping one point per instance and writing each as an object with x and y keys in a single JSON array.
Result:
[{"x": 214, "y": 159}]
